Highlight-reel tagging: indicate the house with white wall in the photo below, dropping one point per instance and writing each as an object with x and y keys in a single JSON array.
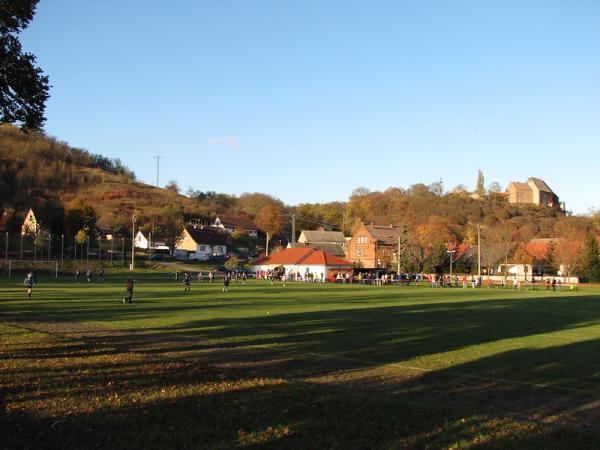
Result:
[
  {"x": 305, "y": 260},
  {"x": 200, "y": 244}
]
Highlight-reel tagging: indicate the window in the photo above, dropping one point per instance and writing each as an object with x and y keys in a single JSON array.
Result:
[
  {"x": 362, "y": 239},
  {"x": 358, "y": 253}
]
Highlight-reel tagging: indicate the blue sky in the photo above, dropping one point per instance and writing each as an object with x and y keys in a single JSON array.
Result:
[{"x": 307, "y": 100}]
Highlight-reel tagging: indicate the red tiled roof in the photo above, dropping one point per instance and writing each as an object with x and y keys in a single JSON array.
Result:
[
  {"x": 303, "y": 255},
  {"x": 538, "y": 248}
]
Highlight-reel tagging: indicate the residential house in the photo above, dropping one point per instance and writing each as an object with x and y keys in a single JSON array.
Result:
[
  {"x": 492, "y": 256},
  {"x": 334, "y": 249},
  {"x": 305, "y": 260},
  {"x": 31, "y": 225},
  {"x": 233, "y": 223},
  {"x": 373, "y": 246},
  {"x": 200, "y": 244},
  {"x": 104, "y": 229},
  {"x": 153, "y": 242},
  {"x": 539, "y": 250},
  {"x": 333, "y": 242},
  {"x": 534, "y": 191}
]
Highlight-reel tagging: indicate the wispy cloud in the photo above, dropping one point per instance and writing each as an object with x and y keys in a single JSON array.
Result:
[{"x": 230, "y": 141}]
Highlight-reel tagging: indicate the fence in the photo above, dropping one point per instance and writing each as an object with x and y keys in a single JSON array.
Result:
[{"x": 64, "y": 250}]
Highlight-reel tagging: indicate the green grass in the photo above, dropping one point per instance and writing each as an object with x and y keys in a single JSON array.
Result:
[{"x": 302, "y": 366}]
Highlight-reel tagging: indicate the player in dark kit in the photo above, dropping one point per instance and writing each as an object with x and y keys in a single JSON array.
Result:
[
  {"x": 186, "y": 282},
  {"x": 30, "y": 280},
  {"x": 129, "y": 289}
]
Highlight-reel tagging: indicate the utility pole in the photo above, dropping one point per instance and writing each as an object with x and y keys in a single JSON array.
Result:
[
  {"x": 133, "y": 242},
  {"x": 399, "y": 246},
  {"x": 100, "y": 251},
  {"x": 6, "y": 252},
  {"x": 150, "y": 240},
  {"x": 158, "y": 158},
  {"x": 62, "y": 251},
  {"x": 293, "y": 228},
  {"x": 479, "y": 251}
]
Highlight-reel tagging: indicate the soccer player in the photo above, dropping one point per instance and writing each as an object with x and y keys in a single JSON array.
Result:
[
  {"x": 30, "y": 280},
  {"x": 186, "y": 282}
]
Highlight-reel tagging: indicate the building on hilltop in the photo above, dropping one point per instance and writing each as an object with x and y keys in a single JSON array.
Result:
[{"x": 534, "y": 192}]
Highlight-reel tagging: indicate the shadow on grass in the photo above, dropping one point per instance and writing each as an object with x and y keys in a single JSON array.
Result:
[
  {"x": 326, "y": 379},
  {"x": 163, "y": 404}
]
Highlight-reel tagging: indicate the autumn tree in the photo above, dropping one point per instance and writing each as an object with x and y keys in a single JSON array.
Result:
[
  {"x": 494, "y": 188},
  {"x": 253, "y": 203},
  {"x": 23, "y": 86},
  {"x": 428, "y": 246},
  {"x": 271, "y": 220},
  {"x": 570, "y": 245},
  {"x": 232, "y": 263},
  {"x": 80, "y": 215},
  {"x": 171, "y": 224},
  {"x": 173, "y": 186}
]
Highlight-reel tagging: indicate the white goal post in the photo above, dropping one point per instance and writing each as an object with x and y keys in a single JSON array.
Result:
[{"x": 27, "y": 264}]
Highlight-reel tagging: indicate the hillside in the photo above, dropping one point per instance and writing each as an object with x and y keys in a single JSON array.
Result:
[{"x": 41, "y": 172}]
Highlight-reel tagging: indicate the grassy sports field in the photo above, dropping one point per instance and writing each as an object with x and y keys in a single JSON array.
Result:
[{"x": 302, "y": 366}]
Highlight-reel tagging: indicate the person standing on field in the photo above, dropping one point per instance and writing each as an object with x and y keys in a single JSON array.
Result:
[
  {"x": 226, "y": 283},
  {"x": 30, "y": 280},
  {"x": 186, "y": 282},
  {"x": 129, "y": 291}
]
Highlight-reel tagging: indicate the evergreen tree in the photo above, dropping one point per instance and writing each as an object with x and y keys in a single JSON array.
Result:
[
  {"x": 480, "y": 187},
  {"x": 551, "y": 265},
  {"x": 591, "y": 263}
]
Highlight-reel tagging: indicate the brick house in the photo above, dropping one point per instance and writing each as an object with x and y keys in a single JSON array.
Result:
[
  {"x": 373, "y": 246},
  {"x": 534, "y": 191}
]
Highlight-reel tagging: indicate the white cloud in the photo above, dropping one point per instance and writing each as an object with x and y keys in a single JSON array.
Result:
[{"x": 230, "y": 141}]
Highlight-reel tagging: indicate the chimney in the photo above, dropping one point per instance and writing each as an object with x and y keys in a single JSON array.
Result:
[{"x": 391, "y": 226}]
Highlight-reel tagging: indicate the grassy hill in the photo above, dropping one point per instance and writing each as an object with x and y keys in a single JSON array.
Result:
[{"x": 39, "y": 171}]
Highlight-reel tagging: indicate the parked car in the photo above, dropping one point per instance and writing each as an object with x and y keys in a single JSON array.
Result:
[
  {"x": 157, "y": 257},
  {"x": 218, "y": 258}
]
